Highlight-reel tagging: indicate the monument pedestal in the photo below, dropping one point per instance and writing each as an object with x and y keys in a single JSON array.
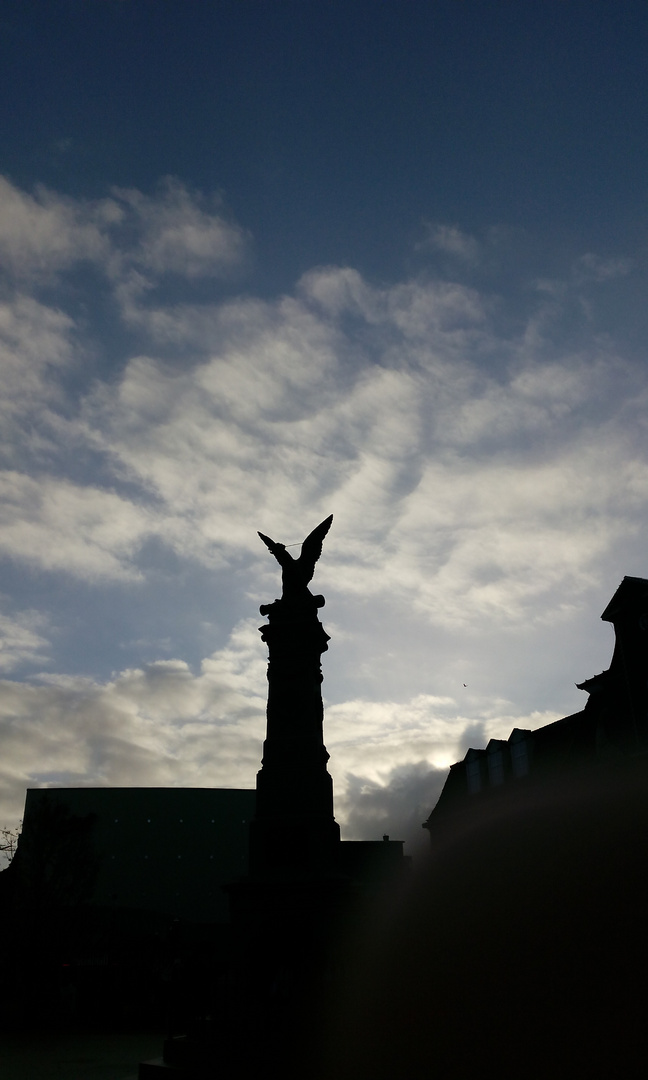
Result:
[{"x": 294, "y": 830}]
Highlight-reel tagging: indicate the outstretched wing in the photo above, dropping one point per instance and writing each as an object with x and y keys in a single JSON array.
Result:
[
  {"x": 283, "y": 557},
  {"x": 268, "y": 542},
  {"x": 312, "y": 549}
]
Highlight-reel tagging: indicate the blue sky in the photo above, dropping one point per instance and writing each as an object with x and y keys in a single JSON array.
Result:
[{"x": 262, "y": 262}]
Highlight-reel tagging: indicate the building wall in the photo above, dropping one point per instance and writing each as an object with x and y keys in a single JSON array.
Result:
[{"x": 165, "y": 850}]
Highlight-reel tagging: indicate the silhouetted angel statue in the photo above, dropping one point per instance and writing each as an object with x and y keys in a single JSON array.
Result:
[{"x": 296, "y": 573}]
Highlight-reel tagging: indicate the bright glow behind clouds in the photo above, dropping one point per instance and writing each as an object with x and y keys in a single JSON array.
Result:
[{"x": 488, "y": 475}]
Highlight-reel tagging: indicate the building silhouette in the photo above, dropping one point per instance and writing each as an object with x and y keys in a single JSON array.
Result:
[
  {"x": 522, "y": 950},
  {"x": 610, "y": 734},
  {"x": 118, "y": 892}
]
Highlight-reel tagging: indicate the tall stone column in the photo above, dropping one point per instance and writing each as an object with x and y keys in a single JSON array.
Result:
[{"x": 294, "y": 829}]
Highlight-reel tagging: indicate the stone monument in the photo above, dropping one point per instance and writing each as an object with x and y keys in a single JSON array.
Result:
[
  {"x": 294, "y": 828},
  {"x": 290, "y": 914}
]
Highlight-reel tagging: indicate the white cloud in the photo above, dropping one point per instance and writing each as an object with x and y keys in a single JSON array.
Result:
[
  {"x": 436, "y": 313},
  {"x": 173, "y": 231},
  {"x": 368, "y": 736},
  {"x": 337, "y": 290},
  {"x": 595, "y": 267},
  {"x": 21, "y": 640},
  {"x": 35, "y": 344},
  {"x": 176, "y": 234},
  {"x": 84, "y": 531},
  {"x": 392, "y": 786},
  {"x": 447, "y": 480},
  {"x": 451, "y": 240},
  {"x": 45, "y": 232},
  {"x": 158, "y": 725},
  {"x": 396, "y": 808}
]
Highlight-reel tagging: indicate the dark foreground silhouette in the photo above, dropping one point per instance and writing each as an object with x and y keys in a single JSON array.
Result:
[{"x": 521, "y": 951}]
